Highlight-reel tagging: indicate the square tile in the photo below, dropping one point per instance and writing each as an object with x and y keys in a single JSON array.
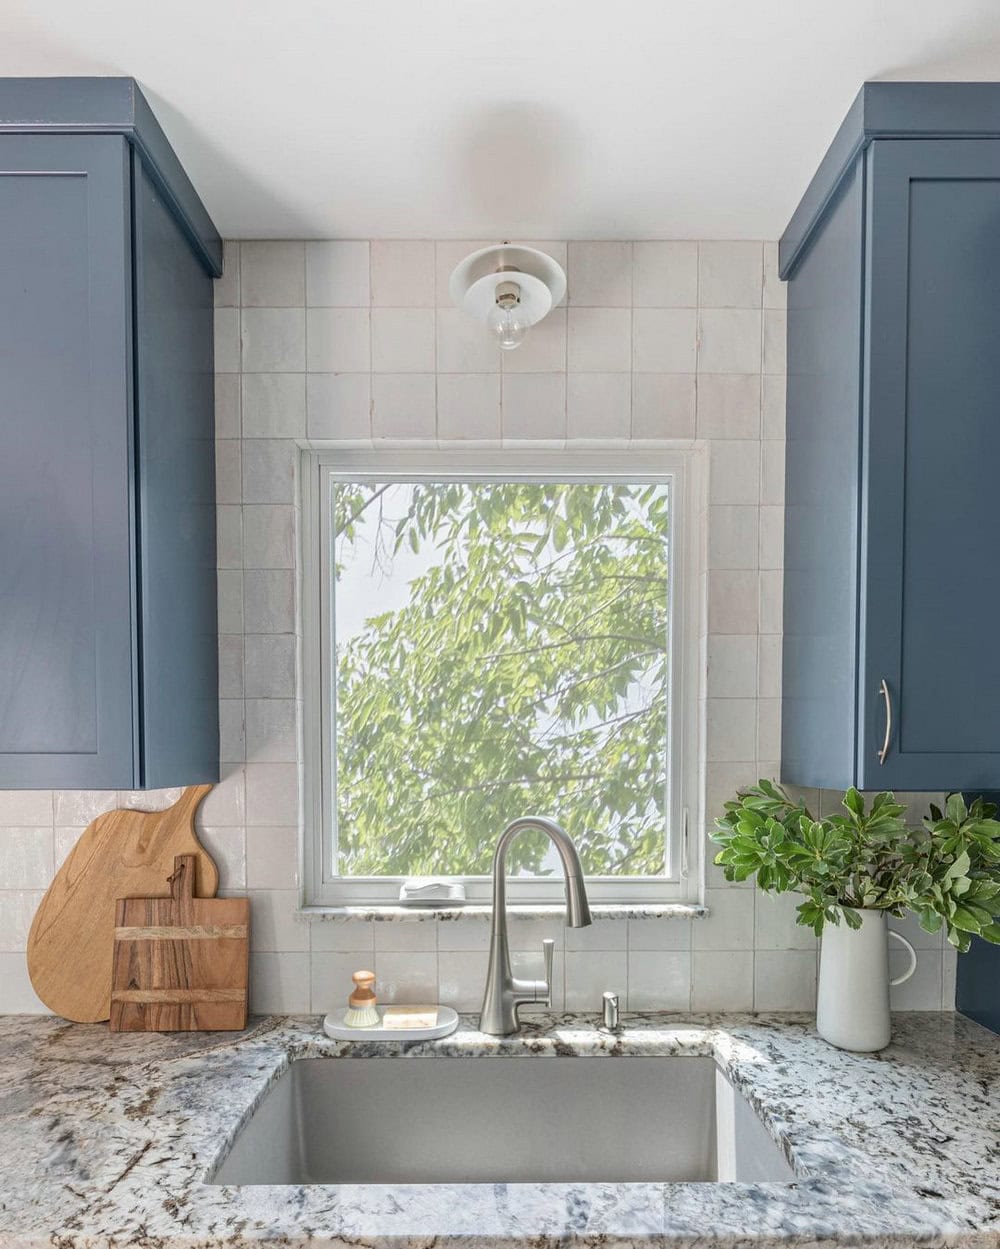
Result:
[
  {"x": 226, "y": 845},
  {"x": 730, "y": 274},
  {"x": 269, "y": 535},
  {"x": 468, "y": 406},
  {"x": 272, "y": 857},
  {"x": 729, "y": 923},
  {"x": 271, "y": 728},
  {"x": 733, "y": 536},
  {"x": 269, "y": 600},
  {"x": 784, "y": 980},
  {"x": 775, "y": 335},
  {"x": 663, "y": 405},
  {"x": 591, "y": 973},
  {"x": 772, "y": 401},
  {"x": 658, "y": 933},
  {"x": 659, "y": 980},
  {"x": 418, "y": 936},
  {"x": 225, "y": 804},
  {"x": 729, "y": 405},
  {"x": 232, "y": 743},
  {"x": 331, "y": 980},
  {"x": 409, "y": 978},
  {"x": 599, "y": 405},
  {"x": 534, "y": 406},
  {"x": 279, "y": 984},
  {"x": 338, "y": 405},
  {"x": 227, "y": 340},
  {"x": 599, "y": 275},
  {"x": 771, "y": 601},
  {"x": 464, "y": 345},
  {"x": 402, "y": 274},
  {"x": 772, "y": 537},
  {"x": 734, "y": 471},
  {"x": 775, "y": 926},
  {"x": 344, "y": 936},
  {"x": 275, "y": 925},
  {"x": 274, "y": 405},
  {"x": 227, "y": 405},
  {"x": 270, "y": 669},
  {"x": 26, "y": 857},
  {"x": 772, "y": 472},
  {"x": 732, "y": 666},
  {"x": 228, "y": 536},
  {"x": 269, "y": 470},
  {"x": 665, "y": 274},
  {"x": 272, "y": 274},
  {"x": 769, "y": 665},
  {"x": 339, "y": 340},
  {"x": 731, "y": 729},
  {"x": 19, "y": 997},
  {"x": 27, "y": 807},
  {"x": 723, "y": 981},
  {"x": 403, "y": 340},
  {"x": 337, "y": 274},
  {"x": 404, "y": 405},
  {"x": 600, "y": 340},
  {"x": 229, "y": 582},
  {"x": 729, "y": 340},
  {"x": 272, "y": 793},
  {"x": 665, "y": 340},
  {"x": 228, "y": 471},
  {"x": 733, "y": 601},
  {"x": 17, "y": 909},
  {"x": 274, "y": 340},
  {"x": 461, "y": 979},
  {"x": 543, "y": 349}
]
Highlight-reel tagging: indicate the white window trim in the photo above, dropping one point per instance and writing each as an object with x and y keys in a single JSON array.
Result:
[{"x": 685, "y": 467}]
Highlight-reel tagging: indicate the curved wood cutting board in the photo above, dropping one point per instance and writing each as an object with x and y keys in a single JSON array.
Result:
[{"x": 121, "y": 854}]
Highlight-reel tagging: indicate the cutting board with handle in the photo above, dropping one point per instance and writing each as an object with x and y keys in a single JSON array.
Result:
[
  {"x": 71, "y": 942},
  {"x": 181, "y": 963}
]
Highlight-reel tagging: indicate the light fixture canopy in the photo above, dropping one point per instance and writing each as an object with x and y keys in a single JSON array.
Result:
[{"x": 508, "y": 287}]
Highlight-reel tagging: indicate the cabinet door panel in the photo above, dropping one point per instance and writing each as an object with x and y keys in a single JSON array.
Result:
[
  {"x": 933, "y": 439},
  {"x": 66, "y": 706}
]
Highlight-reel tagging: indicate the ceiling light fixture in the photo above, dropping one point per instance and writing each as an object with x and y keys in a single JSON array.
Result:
[{"x": 510, "y": 288}]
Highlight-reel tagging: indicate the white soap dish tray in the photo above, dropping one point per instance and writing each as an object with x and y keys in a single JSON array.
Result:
[{"x": 394, "y": 1029}]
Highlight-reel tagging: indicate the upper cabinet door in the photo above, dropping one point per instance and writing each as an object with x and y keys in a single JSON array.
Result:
[
  {"x": 930, "y": 523},
  {"x": 66, "y": 590}
]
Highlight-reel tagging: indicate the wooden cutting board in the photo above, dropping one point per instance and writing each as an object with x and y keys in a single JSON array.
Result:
[
  {"x": 181, "y": 963},
  {"x": 71, "y": 942}
]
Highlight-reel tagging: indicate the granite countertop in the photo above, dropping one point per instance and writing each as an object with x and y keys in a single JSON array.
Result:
[{"x": 107, "y": 1139}]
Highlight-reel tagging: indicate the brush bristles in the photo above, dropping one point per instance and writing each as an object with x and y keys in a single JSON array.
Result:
[{"x": 361, "y": 1017}]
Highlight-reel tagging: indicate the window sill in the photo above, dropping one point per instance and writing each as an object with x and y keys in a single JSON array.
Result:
[{"x": 478, "y": 911}]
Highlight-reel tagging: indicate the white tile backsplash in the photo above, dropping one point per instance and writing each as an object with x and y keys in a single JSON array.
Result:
[{"x": 350, "y": 340}]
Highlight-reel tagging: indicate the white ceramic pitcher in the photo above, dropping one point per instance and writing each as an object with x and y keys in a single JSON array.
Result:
[{"x": 852, "y": 1008}]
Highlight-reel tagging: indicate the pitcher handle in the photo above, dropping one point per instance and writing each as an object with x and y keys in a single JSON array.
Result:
[{"x": 913, "y": 959}]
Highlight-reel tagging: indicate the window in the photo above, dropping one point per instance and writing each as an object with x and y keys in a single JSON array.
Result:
[{"x": 488, "y": 638}]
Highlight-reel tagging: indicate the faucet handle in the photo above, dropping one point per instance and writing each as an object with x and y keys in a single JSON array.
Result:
[{"x": 548, "y": 951}]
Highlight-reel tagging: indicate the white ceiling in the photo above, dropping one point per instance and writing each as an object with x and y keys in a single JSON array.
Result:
[{"x": 517, "y": 118}]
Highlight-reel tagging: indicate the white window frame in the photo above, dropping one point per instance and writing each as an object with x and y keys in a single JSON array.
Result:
[{"x": 684, "y": 468}]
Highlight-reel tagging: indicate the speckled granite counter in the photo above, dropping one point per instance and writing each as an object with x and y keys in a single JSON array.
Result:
[{"x": 107, "y": 1140}]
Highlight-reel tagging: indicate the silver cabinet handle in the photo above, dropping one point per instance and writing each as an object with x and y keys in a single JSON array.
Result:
[{"x": 884, "y": 691}]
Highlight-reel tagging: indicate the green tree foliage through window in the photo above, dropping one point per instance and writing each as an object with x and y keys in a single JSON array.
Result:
[{"x": 501, "y": 650}]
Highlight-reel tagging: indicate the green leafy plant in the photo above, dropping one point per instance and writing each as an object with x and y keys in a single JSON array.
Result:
[{"x": 947, "y": 871}]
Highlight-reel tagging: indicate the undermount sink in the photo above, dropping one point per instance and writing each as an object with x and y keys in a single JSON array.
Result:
[{"x": 453, "y": 1120}]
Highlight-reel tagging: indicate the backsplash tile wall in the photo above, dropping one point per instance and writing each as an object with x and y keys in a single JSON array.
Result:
[{"x": 359, "y": 341}]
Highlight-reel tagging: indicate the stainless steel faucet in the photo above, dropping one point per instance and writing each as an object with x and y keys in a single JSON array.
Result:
[{"x": 504, "y": 992}]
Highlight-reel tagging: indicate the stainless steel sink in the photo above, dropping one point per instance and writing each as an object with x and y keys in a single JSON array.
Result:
[{"x": 558, "y": 1119}]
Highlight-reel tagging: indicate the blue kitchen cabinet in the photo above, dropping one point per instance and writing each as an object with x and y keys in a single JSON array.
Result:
[
  {"x": 108, "y": 643},
  {"x": 891, "y": 667}
]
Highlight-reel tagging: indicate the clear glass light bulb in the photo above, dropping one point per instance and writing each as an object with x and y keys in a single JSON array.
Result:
[{"x": 507, "y": 325}]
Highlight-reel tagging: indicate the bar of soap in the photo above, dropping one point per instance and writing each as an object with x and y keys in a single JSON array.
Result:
[{"x": 410, "y": 1017}]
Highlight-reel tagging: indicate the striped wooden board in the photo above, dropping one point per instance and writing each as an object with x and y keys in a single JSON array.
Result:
[{"x": 180, "y": 962}]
